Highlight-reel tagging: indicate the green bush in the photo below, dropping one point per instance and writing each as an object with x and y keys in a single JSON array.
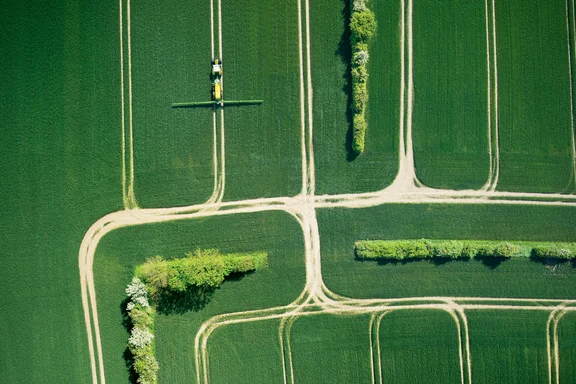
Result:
[
  {"x": 391, "y": 249},
  {"x": 359, "y": 134},
  {"x": 447, "y": 249},
  {"x": 202, "y": 268},
  {"x": 359, "y": 98},
  {"x": 420, "y": 249},
  {"x": 564, "y": 251},
  {"x": 362, "y": 26}
]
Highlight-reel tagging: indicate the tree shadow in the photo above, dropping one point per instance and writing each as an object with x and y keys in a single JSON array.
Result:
[
  {"x": 177, "y": 303},
  {"x": 491, "y": 262},
  {"x": 344, "y": 52},
  {"x": 127, "y": 355}
]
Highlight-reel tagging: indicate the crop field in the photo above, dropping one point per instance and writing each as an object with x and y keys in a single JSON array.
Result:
[
  {"x": 470, "y": 136},
  {"x": 451, "y": 84},
  {"x": 376, "y": 168},
  {"x": 510, "y": 347},
  {"x": 345, "y": 275},
  {"x": 535, "y": 99}
]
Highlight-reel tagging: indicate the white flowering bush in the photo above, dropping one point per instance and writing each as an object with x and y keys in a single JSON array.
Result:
[
  {"x": 361, "y": 58},
  {"x": 140, "y": 338},
  {"x": 359, "y": 5},
  {"x": 136, "y": 289}
]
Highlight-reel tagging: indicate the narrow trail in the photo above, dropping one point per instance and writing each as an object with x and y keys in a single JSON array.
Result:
[{"x": 316, "y": 297}]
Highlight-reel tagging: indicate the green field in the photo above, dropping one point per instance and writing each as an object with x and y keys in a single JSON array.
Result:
[
  {"x": 59, "y": 100},
  {"x": 172, "y": 147},
  {"x": 536, "y": 153},
  {"x": 336, "y": 172},
  {"x": 345, "y": 275},
  {"x": 331, "y": 349},
  {"x": 508, "y": 346},
  {"x": 246, "y": 353},
  {"x": 427, "y": 340},
  {"x": 450, "y": 121},
  {"x": 119, "y": 253},
  {"x": 567, "y": 347},
  {"x": 260, "y": 61}
]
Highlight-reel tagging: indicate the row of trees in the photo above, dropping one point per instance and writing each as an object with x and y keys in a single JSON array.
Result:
[
  {"x": 141, "y": 338},
  {"x": 422, "y": 249},
  {"x": 562, "y": 251},
  {"x": 362, "y": 27},
  {"x": 201, "y": 268},
  {"x": 157, "y": 277}
]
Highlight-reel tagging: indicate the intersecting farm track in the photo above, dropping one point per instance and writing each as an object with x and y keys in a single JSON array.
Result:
[{"x": 316, "y": 297}]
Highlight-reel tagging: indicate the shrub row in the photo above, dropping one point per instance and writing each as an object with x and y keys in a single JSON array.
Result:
[
  {"x": 422, "y": 249},
  {"x": 362, "y": 27},
  {"x": 202, "y": 268},
  {"x": 566, "y": 251},
  {"x": 141, "y": 338}
]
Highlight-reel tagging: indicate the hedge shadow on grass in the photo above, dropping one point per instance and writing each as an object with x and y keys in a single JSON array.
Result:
[
  {"x": 491, "y": 262},
  {"x": 344, "y": 52},
  {"x": 127, "y": 355}
]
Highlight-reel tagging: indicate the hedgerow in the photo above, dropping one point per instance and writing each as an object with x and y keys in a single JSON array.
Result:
[
  {"x": 566, "y": 251},
  {"x": 141, "y": 338},
  {"x": 362, "y": 27},
  {"x": 422, "y": 249},
  {"x": 201, "y": 268}
]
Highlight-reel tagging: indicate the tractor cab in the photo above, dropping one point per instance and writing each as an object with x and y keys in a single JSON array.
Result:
[{"x": 216, "y": 66}]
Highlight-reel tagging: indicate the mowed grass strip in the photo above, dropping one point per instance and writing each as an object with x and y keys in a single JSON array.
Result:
[
  {"x": 567, "y": 347},
  {"x": 336, "y": 170},
  {"x": 246, "y": 353},
  {"x": 536, "y": 153},
  {"x": 331, "y": 349},
  {"x": 173, "y": 148},
  {"x": 450, "y": 120},
  {"x": 508, "y": 346},
  {"x": 121, "y": 251},
  {"x": 260, "y": 61},
  {"x": 519, "y": 277},
  {"x": 419, "y": 346}
]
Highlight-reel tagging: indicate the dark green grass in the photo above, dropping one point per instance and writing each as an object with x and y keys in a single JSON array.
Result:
[
  {"x": 336, "y": 170},
  {"x": 260, "y": 61},
  {"x": 450, "y": 121},
  {"x": 119, "y": 253},
  {"x": 534, "y": 97},
  {"x": 331, "y": 349},
  {"x": 508, "y": 346},
  {"x": 345, "y": 275},
  {"x": 567, "y": 347},
  {"x": 60, "y": 155},
  {"x": 419, "y": 347},
  {"x": 246, "y": 353},
  {"x": 170, "y": 63}
]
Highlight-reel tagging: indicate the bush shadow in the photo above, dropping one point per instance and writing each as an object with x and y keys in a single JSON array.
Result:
[
  {"x": 193, "y": 299},
  {"x": 491, "y": 262},
  {"x": 127, "y": 355},
  {"x": 344, "y": 52}
]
